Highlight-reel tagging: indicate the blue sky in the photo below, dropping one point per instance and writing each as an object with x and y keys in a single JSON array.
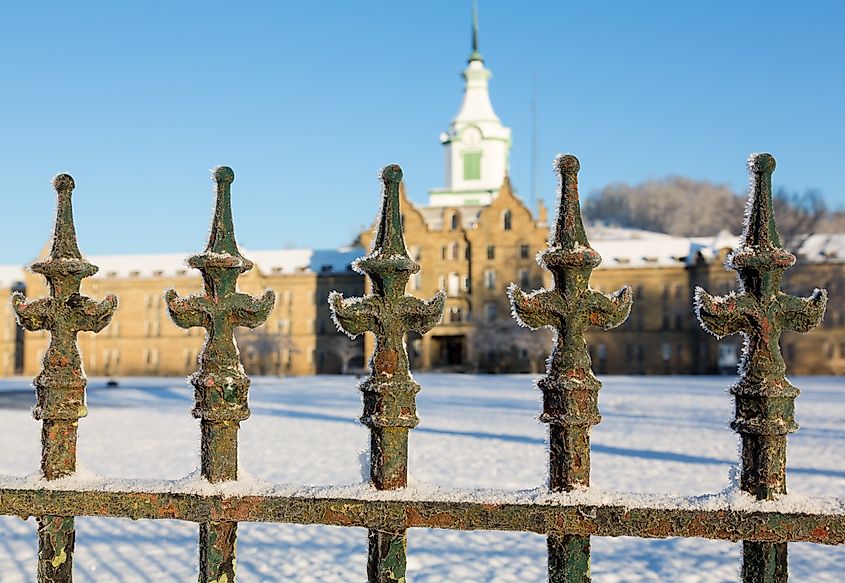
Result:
[{"x": 307, "y": 100}]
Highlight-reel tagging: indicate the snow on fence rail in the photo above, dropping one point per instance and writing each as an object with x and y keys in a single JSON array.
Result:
[{"x": 567, "y": 512}]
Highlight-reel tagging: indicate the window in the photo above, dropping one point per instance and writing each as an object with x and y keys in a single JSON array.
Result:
[
  {"x": 490, "y": 312},
  {"x": 453, "y": 224},
  {"x": 454, "y": 284},
  {"x": 490, "y": 279},
  {"x": 491, "y": 252},
  {"x": 416, "y": 281},
  {"x": 416, "y": 252},
  {"x": 524, "y": 251},
  {"x": 441, "y": 282},
  {"x": 679, "y": 291},
  {"x": 453, "y": 251},
  {"x": 679, "y": 322},
  {"x": 524, "y": 280},
  {"x": 507, "y": 220},
  {"x": 472, "y": 165},
  {"x": 467, "y": 283},
  {"x": 443, "y": 252},
  {"x": 666, "y": 351},
  {"x": 455, "y": 315}
]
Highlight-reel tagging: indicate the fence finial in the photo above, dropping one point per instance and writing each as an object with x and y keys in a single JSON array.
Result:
[
  {"x": 764, "y": 399},
  {"x": 60, "y": 385},
  {"x": 570, "y": 389}
]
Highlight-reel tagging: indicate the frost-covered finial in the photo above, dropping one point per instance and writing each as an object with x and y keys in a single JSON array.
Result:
[
  {"x": 761, "y": 229},
  {"x": 390, "y": 409},
  {"x": 389, "y": 240},
  {"x": 64, "y": 235},
  {"x": 760, "y": 313},
  {"x": 388, "y": 313},
  {"x": 569, "y": 228},
  {"x": 569, "y": 307}
]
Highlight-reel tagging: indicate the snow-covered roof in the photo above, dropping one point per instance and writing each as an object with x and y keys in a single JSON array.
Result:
[
  {"x": 823, "y": 248},
  {"x": 281, "y": 261},
  {"x": 625, "y": 248},
  {"x": 10, "y": 275}
]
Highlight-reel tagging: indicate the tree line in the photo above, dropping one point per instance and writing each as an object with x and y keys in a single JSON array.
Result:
[{"x": 685, "y": 207}]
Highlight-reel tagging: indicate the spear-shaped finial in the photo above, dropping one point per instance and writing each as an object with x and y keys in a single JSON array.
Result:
[
  {"x": 389, "y": 240},
  {"x": 570, "y": 389},
  {"x": 764, "y": 400},
  {"x": 760, "y": 226},
  {"x": 389, "y": 392},
  {"x": 64, "y": 236},
  {"x": 569, "y": 228},
  {"x": 222, "y": 237},
  {"x": 60, "y": 385}
]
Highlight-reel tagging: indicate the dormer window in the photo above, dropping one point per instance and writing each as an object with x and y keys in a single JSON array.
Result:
[
  {"x": 453, "y": 224},
  {"x": 507, "y": 220},
  {"x": 472, "y": 165}
]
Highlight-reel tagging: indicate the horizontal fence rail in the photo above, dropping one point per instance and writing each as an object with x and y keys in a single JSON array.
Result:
[
  {"x": 657, "y": 517},
  {"x": 566, "y": 511}
]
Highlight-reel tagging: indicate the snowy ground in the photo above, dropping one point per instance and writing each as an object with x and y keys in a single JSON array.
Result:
[{"x": 658, "y": 435}]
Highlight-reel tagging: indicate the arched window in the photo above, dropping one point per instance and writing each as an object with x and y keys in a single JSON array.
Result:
[
  {"x": 507, "y": 220},
  {"x": 453, "y": 251},
  {"x": 454, "y": 222}
]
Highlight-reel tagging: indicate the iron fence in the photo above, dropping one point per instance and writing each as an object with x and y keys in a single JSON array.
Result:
[{"x": 566, "y": 513}]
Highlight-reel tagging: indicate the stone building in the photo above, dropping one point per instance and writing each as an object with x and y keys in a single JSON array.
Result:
[{"x": 297, "y": 337}]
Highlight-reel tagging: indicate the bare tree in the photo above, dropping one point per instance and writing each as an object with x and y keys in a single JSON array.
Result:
[
  {"x": 675, "y": 205},
  {"x": 263, "y": 349},
  {"x": 799, "y": 213},
  {"x": 345, "y": 349},
  {"x": 505, "y": 346}
]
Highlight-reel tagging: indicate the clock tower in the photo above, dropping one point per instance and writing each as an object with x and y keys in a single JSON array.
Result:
[{"x": 477, "y": 144}]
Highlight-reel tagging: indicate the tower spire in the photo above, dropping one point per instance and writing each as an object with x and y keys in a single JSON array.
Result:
[{"x": 475, "y": 55}]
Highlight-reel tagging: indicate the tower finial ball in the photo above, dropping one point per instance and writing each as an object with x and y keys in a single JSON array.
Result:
[
  {"x": 224, "y": 174},
  {"x": 567, "y": 163},
  {"x": 762, "y": 163},
  {"x": 63, "y": 182}
]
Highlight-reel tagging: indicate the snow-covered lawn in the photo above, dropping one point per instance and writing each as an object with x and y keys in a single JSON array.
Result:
[{"x": 658, "y": 435}]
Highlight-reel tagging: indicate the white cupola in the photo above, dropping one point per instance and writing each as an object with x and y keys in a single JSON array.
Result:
[{"x": 477, "y": 144}]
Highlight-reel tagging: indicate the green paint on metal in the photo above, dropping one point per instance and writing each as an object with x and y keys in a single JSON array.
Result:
[
  {"x": 60, "y": 385},
  {"x": 220, "y": 385},
  {"x": 570, "y": 389},
  {"x": 763, "y": 397},
  {"x": 389, "y": 391}
]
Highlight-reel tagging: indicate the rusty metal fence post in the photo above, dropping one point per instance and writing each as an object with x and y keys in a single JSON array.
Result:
[
  {"x": 389, "y": 392},
  {"x": 60, "y": 386},
  {"x": 220, "y": 385},
  {"x": 570, "y": 389},
  {"x": 764, "y": 399}
]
